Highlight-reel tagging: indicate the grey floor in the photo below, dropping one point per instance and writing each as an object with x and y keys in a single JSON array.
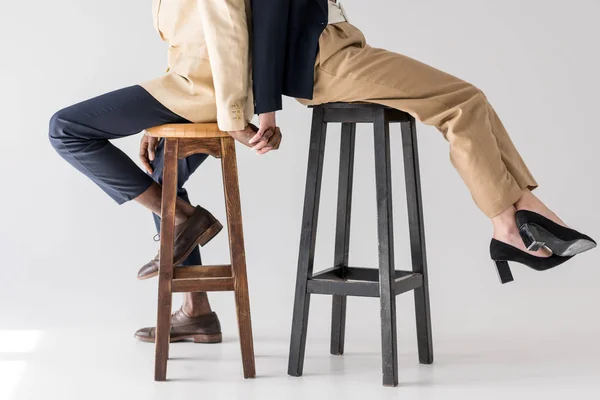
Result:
[{"x": 98, "y": 359}]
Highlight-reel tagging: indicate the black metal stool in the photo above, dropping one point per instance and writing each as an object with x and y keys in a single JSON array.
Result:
[{"x": 342, "y": 280}]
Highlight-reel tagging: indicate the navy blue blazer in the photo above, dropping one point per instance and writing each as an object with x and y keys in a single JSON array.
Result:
[{"x": 285, "y": 43}]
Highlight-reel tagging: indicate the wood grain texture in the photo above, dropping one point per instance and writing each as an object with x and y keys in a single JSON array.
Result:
[
  {"x": 165, "y": 275},
  {"x": 238, "y": 253},
  {"x": 203, "y": 285},
  {"x": 187, "y": 131},
  {"x": 203, "y": 271},
  {"x": 197, "y": 138},
  {"x": 189, "y": 146}
]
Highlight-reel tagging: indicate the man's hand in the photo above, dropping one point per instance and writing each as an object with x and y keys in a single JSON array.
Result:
[
  {"x": 148, "y": 146},
  {"x": 268, "y": 136},
  {"x": 243, "y": 136}
]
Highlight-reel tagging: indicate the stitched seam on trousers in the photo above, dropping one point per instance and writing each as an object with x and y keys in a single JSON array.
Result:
[{"x": 412, "y": 94}]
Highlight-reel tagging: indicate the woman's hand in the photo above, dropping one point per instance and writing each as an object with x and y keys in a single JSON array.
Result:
[{"x": 268, "y": 136}]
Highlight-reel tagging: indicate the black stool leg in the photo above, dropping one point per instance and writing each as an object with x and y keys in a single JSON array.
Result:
[
  {"x": 417, "y": 239},
  {"x": 342, "y": 232},
  {"x": 307, "y": 242},
  {"x": 386, "y": 248}
]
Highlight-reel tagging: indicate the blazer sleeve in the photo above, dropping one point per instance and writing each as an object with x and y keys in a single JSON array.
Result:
[
  {"x": 269, "y": 29},
  {"x": 225, "y": 27}
]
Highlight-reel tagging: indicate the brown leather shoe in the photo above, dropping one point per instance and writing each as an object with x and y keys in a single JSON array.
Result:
[
  {"x": 150, "y": 269},
  {"x": 203, "y": 329},
  {"x": 199, "y": 229}
]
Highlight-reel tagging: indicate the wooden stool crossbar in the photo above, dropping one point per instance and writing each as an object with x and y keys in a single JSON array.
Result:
[
  {"x": 183, "y": 140},
  {"x": 342, "y": 280}
]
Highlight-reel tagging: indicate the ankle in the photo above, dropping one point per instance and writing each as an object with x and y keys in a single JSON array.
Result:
[
  {"x": 196, "y": 304},
  {"x": 193, "y": 312},
  {"x": 505, "y": 224}
]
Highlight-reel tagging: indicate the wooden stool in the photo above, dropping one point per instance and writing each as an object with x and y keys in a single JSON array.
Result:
[
  {"x": 183, "y": 140},
  {"x": 342, "y": 280}
]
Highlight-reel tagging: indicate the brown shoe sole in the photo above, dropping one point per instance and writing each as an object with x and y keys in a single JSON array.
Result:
[
  {"x": 202, "y": 240},
  {"x": 198, "y": 338},
  {"x": 148, "y": 276}
]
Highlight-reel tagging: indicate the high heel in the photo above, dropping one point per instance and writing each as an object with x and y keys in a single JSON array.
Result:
[
  {"x": 537, "y": 231},
  {"x": 501, "y": 253},
  {"x": 504, "y": 272}
]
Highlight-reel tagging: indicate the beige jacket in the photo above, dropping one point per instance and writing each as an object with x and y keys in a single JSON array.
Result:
[{"x": 208, "y": 78}]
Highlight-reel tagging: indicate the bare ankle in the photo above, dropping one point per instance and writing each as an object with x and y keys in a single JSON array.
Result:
[
  {"x": 505, "y": 224},
  {"x": 196, "y": 304}
]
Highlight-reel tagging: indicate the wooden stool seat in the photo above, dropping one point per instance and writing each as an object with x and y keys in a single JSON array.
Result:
[
  {"x": 181, "y": 141},
  {"x": 187, "y": 131}
]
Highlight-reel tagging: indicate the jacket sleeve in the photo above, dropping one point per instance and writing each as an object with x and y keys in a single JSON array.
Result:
[
  {"x": 225, "y": 27},
  {"x": 269, "y": 28}
]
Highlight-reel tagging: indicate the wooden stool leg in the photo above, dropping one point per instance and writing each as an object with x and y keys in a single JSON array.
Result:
[
  {"x": 307, "y": 242},
  {"x": 238, "y": 254},
  {"x": 387, "y": 295},
  {"x": 165, "y": 276},
  {"x": 342, "y": 232},
  {"x": 417, "y": 239}
]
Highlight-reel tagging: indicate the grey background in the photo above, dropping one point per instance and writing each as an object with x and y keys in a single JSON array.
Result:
[{"x": 70, "y": 255}]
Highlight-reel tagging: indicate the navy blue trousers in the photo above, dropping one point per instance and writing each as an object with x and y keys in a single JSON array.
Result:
[{"x": 81, "y": 134}]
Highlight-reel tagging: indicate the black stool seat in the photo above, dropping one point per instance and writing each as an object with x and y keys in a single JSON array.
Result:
[
  {"x": 342, "y": 280},
  {"x": 361, "y": 112}
]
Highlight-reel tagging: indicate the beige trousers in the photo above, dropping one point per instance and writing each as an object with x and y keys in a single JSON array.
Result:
[{"x": 347, "y": 69}]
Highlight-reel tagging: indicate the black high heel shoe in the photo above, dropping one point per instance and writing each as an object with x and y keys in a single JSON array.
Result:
[
  {"x": 502, "y": 253},
  {"x": 537, "y": 231}
]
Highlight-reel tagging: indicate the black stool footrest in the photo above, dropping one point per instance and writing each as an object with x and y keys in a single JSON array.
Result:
[{"x": 363, "y": 282}]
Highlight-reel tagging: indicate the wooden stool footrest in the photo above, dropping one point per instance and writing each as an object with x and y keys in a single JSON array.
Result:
[
  {"x": 363, "y": 282},
  {"x": 203, "y": 271},
  {"x": 203, "y": 285}
]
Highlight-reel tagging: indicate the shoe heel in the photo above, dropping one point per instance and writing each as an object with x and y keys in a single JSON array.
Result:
[
  {"x": 504, "y": 272},
  {"x": 210, "y": 233},
  {"x": 528, "y": 235},
  {"x": 208, "y": 338}
]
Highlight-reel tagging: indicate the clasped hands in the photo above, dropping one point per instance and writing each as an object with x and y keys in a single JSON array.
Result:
[{"x": 263, "y": 139}]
